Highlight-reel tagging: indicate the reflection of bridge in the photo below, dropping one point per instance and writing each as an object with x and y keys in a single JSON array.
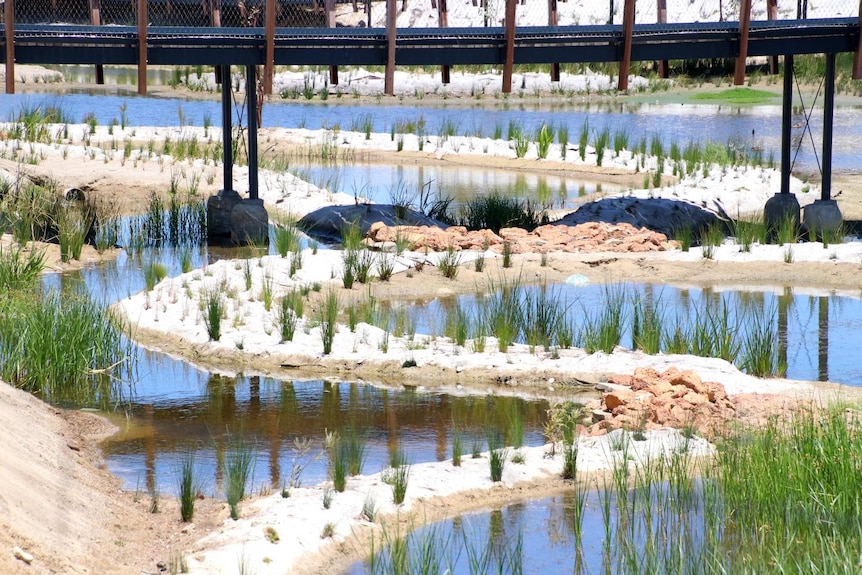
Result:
[{"x": 263, "y": 43}]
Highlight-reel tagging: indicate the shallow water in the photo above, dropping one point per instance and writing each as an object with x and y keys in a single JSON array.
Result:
[
  {"x": 176, "y": 408},
  {"x": 818, "y": 333},
  {"x": 388, "y": 183},
  {"x": 745, "y": 126},
  {"x": 173, "y": 406},
  {"x": 538, "y": 536}
]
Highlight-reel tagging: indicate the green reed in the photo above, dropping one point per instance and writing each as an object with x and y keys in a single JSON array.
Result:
[{"x": 239, "y": 468}]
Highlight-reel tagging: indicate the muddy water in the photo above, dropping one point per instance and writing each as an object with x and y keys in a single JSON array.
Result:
[{"x": 174, "y": 412}]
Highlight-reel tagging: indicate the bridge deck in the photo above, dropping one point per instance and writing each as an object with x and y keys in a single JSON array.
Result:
[{"x": 69, "y": 44}]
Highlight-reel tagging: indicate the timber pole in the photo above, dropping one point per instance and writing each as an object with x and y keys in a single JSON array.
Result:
[
  {"x": 389, "y": 74},
  {"x": 443, "y": 16},
  {"x": 9, "y": 25},
  {"x": 553, "y": 21},
  {"x": 96, "y": 20},
  {"x": 509, "y": 64},
  {"x": 661, "y": 18},
  {"x": 744, "y": 22},
  {"x": 270, "y": 46},
  {"x": 626, "y": 60},
  {"x": 857, "y": 58},
  {"x": 772, "y": 14},
  {"x": 142, "y": 47}
]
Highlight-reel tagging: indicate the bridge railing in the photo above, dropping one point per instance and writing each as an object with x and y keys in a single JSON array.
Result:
[{"x": 415, "y": 13}]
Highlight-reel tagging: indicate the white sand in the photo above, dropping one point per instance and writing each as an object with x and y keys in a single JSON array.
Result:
[{"x": 300, "y": 519}]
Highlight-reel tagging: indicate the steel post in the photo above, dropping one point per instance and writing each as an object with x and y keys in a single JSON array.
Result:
[
  {"x": 786, "y": 122},
  {"x": 227, "y": 128},
  {"x": 251, "y": 99},
  {"x": 828, "y": 115}
]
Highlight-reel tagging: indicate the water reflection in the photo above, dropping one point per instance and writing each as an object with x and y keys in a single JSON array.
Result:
[
  {"x": 390, "y": 183},
  {"x": 746, "y": 127},
  {"x": 817, "y": 333},
  {"x": 271, "y": 414}
]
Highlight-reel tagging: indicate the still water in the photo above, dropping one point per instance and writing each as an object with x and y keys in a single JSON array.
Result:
[
  {"x": 817, "y": 332},
  {"x": 744, "y": 126}
]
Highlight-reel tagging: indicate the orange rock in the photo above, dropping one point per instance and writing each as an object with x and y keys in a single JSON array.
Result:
[{"x": 615, "y": 399}]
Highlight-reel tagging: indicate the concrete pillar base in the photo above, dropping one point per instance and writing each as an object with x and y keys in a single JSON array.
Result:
[
  {"x": 780, "y": 207},
  {"x": 822, "y": 215},
  {"x": 249, "y": 223},
  {"x": 219, "y": 209}
]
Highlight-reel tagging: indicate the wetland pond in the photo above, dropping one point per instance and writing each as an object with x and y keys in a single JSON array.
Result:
[{"x": 173, "y": 406}]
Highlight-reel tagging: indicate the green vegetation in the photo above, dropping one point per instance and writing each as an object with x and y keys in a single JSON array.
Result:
[
  {"x": 212, "y": 308},
  {"x": 737, "y": 95},
  {"x": 188, "y": 485},
  {"x": 239, "y": 467},
  {"x": 328, "y": 317},
  {"x": 397, "y": 476},
  {"x": 61, "y": 345},
  {"x": 495, "y": 211}
]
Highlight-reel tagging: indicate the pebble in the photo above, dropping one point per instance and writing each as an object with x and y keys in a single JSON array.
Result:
[{"x": 21, "y": 555}]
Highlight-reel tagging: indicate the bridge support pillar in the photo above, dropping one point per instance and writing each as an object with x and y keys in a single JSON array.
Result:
[
  {"x": 229, "y": 216},
  {"x": 824, "y": 214},
  {"x": 784, "y": 204}
]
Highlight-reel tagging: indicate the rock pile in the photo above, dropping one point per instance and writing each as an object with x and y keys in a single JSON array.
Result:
[
  {"x": 651, "y": 400},
  {"x": 588, "y": 237}
]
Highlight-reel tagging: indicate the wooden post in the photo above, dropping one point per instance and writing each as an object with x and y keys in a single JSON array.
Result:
[
  {"x": 626, "y": 60},
  {"x": 552, "y": 21},
  {"x": 389, "y": 75},
  {"x": 329, "y": 7},
  {"x": 270, "y": 46},
  {"x": 744, "y": 21},
  {"x": 443, "y": 16},
  {"x": 9, "y": 25},
  {"x": 509, "y": 64},
  {"x": 215, "y": 13},
  {"x": 661, "y": 18},
  {"x": 96, "y": 20},
  {"x": 857, "y": 58},
  {"x": 772, "y": 14},
  {"x": 215, "y": 22},
  {"x": 142, "y": 47}
]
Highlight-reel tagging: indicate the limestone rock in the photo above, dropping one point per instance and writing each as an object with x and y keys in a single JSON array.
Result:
[{"x": 650, "y": 399}]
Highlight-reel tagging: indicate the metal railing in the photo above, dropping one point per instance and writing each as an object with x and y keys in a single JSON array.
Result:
[{"x": 414, "y": 13}]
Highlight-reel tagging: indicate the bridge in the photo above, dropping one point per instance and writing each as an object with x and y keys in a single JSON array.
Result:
[{"x": 265, "y": 33}]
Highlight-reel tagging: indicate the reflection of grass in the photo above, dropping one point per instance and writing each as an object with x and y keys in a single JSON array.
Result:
[
  {"x": 737, "y": 96},
  {"x": 782, "y": 498}
]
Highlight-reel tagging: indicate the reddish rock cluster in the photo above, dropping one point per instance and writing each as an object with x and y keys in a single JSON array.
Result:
[
  {"x": 651, "y": 400},
  {"x": 589, "y": 237}
]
